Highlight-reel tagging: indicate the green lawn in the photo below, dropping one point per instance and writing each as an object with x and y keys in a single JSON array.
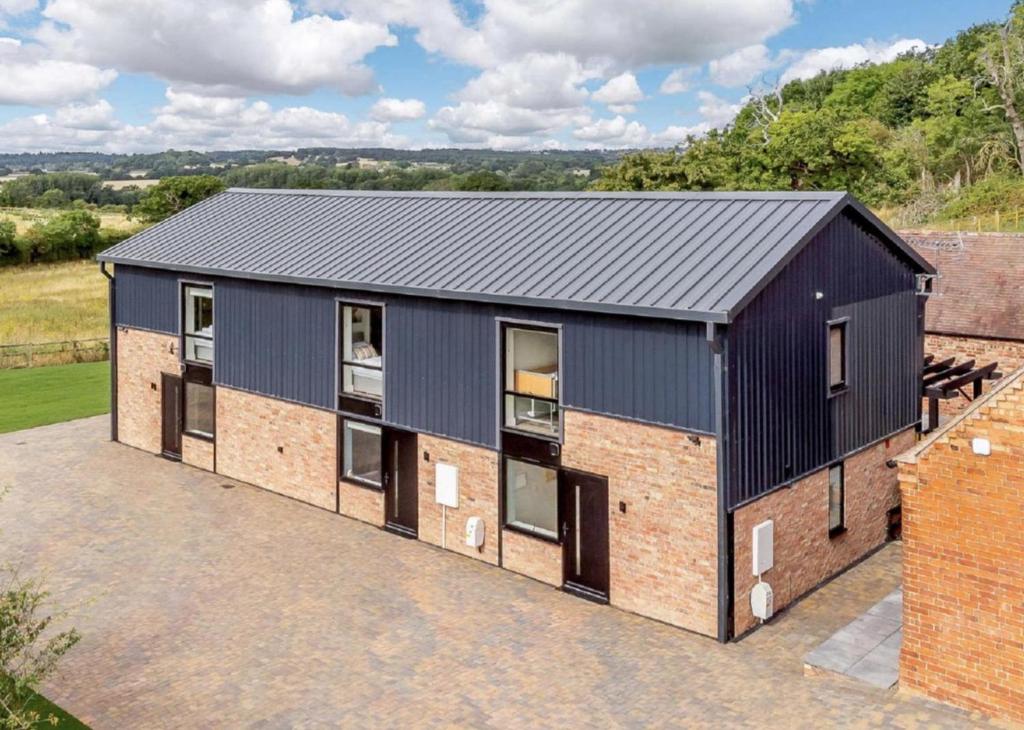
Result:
[
  {"x": 45, "y": 708},
  {"x": 38, "y": 396}
]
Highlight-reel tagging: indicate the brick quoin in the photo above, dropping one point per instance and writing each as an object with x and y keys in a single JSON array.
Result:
[{"x": 963, "y": 572}]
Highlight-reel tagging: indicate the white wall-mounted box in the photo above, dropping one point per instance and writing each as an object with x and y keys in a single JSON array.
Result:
[
  {"x": 981, "y": 447},
  {"x": 763, "y": 547},
  {"x": 446, "y": 485}
]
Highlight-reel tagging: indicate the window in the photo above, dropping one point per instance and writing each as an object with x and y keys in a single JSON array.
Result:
[
  {"x": 198, "y": 409},
  {"x": 531, "y": 498},
  {"x": 837, "y": 356},
  {"x": 362, "y": 351},
  {"x": 199, "y": 323},
  {"x": 361, "y": 453},
  {"x": 531, "y": 380},
  {"x": 836, "y": 500}
]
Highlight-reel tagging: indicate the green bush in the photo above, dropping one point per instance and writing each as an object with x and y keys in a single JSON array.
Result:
[
  {"x": 9, "y": 252},
  {"x": 69, "y": 235},
  {"x": 998, "y": 192},
  {"x": 52, "y": 198},
  {"x": 173, "y": 194}
]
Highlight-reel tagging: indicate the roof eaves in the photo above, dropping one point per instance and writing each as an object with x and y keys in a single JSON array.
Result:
[{"x": 685, "y": 315}]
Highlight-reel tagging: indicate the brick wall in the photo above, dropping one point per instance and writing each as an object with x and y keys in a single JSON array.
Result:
[
  {"x": 197, "y": 452},
  {"x": 478, "y": 495},
  {"x": 663, "y": 549},
  {"x": 141, "y": 357},
  {"x": 280, "y": 446},
  {"x": 805, "y": 555},
  {"x": 538, "y": 559},
  {"x": 963, "y": 584},
  {"x": 1009, "y": 355},
  {"x": 361, "y": 503}
]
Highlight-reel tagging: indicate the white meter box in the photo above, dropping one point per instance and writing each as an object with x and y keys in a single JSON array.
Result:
[
  {"x": 764, "y": 547},
  {"x": 446, "y": 485}
]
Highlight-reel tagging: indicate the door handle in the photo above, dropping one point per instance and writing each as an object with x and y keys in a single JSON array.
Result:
[{"x": 565, "y": 530}]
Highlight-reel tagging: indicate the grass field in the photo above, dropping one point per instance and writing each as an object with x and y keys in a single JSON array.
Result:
[
  {"x": 45, "y": 708},
  {"x": 40, "y": 396},
  {"x": 52, "y": 302},
  {"x": 25, "y": 218}
]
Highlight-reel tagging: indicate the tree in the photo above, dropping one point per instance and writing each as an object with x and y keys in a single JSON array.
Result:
[
  {"x": 173, "y": 194},
  {"x": 1003, "y": 58},
  {"x": 8, "y": 245},
  {"x": 30, "y": 647},
  {"x": 72, "y": 234},
  {"x": 52, "y": 198}
]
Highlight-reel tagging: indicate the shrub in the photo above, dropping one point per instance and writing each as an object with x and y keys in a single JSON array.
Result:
[
  {"x": 73, "y": 234},
  {"x": 8, "y": 242}
]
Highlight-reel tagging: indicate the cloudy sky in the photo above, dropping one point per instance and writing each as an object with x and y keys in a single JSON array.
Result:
[{"x": 144, "y": 75}]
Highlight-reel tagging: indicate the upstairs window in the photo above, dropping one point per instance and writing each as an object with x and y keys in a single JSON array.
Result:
[
  {"x": 362, "y": 351},
  {"x": 531, "y": 380},
  {"x": 837, "y": 356},
  {"x": 198, "y": 323},
  {"x": 836, "y": 500}
]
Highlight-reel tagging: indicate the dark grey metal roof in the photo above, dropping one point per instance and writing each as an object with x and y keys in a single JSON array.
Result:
[{"x": 697, "y": 256}]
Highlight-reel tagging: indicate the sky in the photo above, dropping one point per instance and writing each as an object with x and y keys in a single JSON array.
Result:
[{"x": 148, "y": 75}]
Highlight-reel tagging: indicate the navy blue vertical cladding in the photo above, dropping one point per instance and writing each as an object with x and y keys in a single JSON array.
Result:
[
  {"x": 147, "y": 299},
  {"x": 783, "y": 423},
  {"x": 275, "y": 339},
  {"x": 441, "y": 355}
]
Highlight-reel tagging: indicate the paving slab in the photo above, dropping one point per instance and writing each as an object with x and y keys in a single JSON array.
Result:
[{"x": 201, "y": 606}]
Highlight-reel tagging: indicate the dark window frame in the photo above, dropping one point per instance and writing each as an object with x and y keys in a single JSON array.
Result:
[
  {"x": 841, "y": 527},
  {"x": 183, "y": 286},
  {"x": 504, "y": 392},
  {"x": 198, "y": 375},
  {"x": 506, "y": 525},
  {"x": 842, "y": 324},
  {"x": 359, "y": 403},
  {"x": 344, "y": 421}
]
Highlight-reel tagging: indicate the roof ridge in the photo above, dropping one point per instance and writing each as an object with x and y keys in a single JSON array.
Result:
[{"x": 825, "y": 195}]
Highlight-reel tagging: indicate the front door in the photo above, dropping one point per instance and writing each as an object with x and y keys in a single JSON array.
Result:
[
  {"x": 584, "y": 511},
  {"x": 401, "y": 488},
  {"x": 170, "y": 407}
]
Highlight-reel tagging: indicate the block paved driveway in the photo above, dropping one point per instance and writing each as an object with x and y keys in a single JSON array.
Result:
[{"x": 202, "y": 606}]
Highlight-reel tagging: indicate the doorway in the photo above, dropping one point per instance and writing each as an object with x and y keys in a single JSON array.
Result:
[
  {"x": 584, "y": 511},
  {"x": 170, "y": 416},
  {"x": 401, "y": 483}
]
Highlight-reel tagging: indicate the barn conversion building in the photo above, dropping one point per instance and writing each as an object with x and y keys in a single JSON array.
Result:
[{"x": 641, "y": 398}]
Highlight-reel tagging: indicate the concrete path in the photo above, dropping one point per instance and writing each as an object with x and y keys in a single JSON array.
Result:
[
  {"x": 203, "y": 606},
  {"x": 866, "y": 649}
]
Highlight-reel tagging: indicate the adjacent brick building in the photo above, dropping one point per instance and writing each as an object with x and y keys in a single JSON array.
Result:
[
  {"x": 974, "y": 312},
  {"x": 607, "y": 393},
  {"x": 963, "y": 575}
]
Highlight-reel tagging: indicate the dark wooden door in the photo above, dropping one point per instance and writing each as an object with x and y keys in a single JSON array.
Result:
[
  {"x": 401, "y": 486},
  {"x": 171, "y": 416},
  {"x": 584, "y": 510}
]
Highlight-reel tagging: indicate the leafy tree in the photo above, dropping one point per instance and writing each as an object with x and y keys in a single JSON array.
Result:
[
  {"x": 68, "y": 235},
  {"x": 52, "y": 198},
  {"x": 8, "y": 241},
  {"x": 173, "y": 194}
]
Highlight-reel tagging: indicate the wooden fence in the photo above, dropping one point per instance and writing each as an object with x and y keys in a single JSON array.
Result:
[{"x": 53, "y": 353}]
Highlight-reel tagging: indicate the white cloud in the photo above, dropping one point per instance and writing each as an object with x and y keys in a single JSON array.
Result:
[
  {"x": 740, "y": 67},
  {"x": 234, "y": 46},
  {"x": 620, "y": 93},
  {"x": 811, "y": 63},
  {"x": 679, "y": 80},
  {"x": 17, "y": 7},
  {"x": 536, "y": 81},
  {"x": 28, "y": 77},
  {"x": 614, "y": 132},
  {"x": 716, "y": 111},
  {"x": 398, "y": 110},
  {"x": 477, "y": 122},
  {"x": 98, "y": 116}
]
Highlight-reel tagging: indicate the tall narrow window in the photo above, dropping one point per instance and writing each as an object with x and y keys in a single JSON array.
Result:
[
  {"x": 362, "y": 351},
  {"x": 531, "y": 498},
  {"x": 836, "y": 500},
  {"x": 198, "y": 307},
  {"x": 531, "y": 380},
  {"x": 198, "y": 395},
  {"x": 837, "y": 356},
  {"x": 361, "y": 453}
]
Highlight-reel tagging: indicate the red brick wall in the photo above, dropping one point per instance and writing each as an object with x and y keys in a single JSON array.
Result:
[
  {"x": 141, "y": 357},
  {"x": 478, "y": 496},
  {"x": 250, "y": 431},
  {"x": 361, "y": 503},
  {"x": 532, "y": 557},
  {"x": 1009, "y": 355},
  {"x": 663, "y": 549},
  {"x": 963, "y": 584},
  {"x": 197, "y": 452},
  {"x": 805, "y": 555}
]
